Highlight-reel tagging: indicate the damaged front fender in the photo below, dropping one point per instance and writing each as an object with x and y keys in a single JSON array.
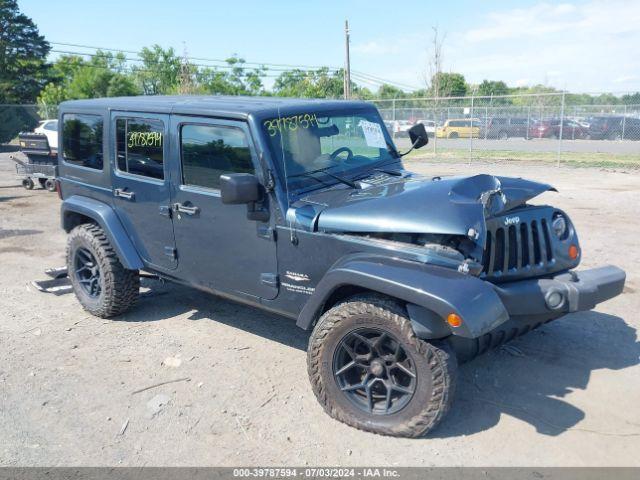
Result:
[{"x": 436, "y": 289}]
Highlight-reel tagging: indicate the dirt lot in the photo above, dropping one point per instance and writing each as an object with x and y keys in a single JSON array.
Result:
[{"x": 568, "y": 395}]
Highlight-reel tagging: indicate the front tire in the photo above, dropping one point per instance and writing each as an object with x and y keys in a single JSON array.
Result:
[
  {"x": 369, "y": 370},
  {"x": 101, "y": 283}
]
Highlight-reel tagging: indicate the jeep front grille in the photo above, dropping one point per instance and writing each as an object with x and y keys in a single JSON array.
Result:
[{"x": 516, "y": 249}]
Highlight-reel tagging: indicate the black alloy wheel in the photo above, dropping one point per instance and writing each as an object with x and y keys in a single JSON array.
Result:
[
  {"x": 87, "y": 272},
  {"x": 373, "y": 370}
]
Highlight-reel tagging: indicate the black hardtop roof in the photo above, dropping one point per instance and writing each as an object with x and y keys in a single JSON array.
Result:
[{"x": 235, "y": 106}]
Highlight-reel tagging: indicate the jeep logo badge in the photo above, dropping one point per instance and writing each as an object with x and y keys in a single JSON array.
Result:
[{"x": 511, "y": 221}]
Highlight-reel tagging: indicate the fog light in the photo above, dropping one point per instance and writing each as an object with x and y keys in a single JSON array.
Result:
[
  {"x": 573, "y": 252},
  {"x": 554, "y": 299},
  {"x": 454, "y": 320}
]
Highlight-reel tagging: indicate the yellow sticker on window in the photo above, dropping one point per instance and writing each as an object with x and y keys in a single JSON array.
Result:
[
  {"x": 144, "y": 139},
  {"x": 292, "y": 123}
]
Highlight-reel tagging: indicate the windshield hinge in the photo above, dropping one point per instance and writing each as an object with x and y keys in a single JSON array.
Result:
[{"x": 270, "y": 181}]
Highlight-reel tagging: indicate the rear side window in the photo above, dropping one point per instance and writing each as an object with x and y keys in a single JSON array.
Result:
[
  {"x": 140, "y": 147},
  {"x": 82, "y": 140},
  {"x": 209, "y": 151}
]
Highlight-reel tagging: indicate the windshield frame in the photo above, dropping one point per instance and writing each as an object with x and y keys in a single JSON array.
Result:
[{"x": 302, "y": 183}]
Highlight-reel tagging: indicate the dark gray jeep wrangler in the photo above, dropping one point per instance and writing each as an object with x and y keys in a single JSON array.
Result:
[{"x": 304, "y": 208}]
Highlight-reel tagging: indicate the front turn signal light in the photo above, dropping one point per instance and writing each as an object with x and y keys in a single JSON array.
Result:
[
  {"x": 573, "y": 252},
  {"x": 454, "y": 320}
]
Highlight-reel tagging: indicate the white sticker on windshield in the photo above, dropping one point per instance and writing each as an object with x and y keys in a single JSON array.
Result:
[{"x": 373, "y": 134}]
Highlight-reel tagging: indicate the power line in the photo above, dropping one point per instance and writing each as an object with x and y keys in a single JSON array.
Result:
[
  {"x": 278, "y": 67},
  {"x": 202, "y": 59}
]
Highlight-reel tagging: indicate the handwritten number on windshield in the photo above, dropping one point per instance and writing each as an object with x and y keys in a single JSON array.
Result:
[{"x": 282, "y": 124}]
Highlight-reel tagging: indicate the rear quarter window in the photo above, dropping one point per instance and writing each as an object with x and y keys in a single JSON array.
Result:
[{"x": 82, "y": 137}]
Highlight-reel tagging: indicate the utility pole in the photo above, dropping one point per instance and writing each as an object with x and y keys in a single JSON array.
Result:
[{"x": 347, "y": 66}]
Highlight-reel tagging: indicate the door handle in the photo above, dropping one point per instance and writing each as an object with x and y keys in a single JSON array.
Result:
[
  {"x": 187, "y": 210},
  {"x": 118, "y": 192}
]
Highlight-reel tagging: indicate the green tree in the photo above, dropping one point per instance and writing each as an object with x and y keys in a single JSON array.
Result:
[
  {"x": 320, "y": 83},
  {"x": 449, "y": 85},
  {"x": 103, "y": 75},
  {"x": 631, "y": 99},
  {"x": 236, "y": 79},
  {"x": 23, "y": 68},
  {"x": 159, "y": 73},
  {"x": 387, "y": 91},
  {"x": 492, "y": 87}
]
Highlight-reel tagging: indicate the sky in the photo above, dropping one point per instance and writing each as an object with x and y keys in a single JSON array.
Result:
[{"x": 582, "y": 46}]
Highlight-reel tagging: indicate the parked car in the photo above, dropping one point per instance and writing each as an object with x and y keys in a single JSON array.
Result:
[
  {"x": 551, "y": 129},
  {"x": 507, "y": 127},
  {"x": 429, "y": 126},
  {"x": 614, "y": 128},
  {"x": 49, "y": 128},
  {"x": 460, "y": 128},
  {"x": 399, "y": 128},
  {"x": 271, "y": 203}
]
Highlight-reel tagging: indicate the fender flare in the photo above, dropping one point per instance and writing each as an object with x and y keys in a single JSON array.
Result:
[
  {"x": 104, "y": 215},
  {"x": 437, "y": 289}
]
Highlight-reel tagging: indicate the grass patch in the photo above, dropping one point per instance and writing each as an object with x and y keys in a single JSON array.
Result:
[{"x": 574, "y": 159}]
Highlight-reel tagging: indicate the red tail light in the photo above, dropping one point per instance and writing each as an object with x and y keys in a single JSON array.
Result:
[{"x": 59, "y": 189}]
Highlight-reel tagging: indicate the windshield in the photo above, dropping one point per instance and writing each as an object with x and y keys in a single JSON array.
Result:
[{"x": 311, "y": 148}]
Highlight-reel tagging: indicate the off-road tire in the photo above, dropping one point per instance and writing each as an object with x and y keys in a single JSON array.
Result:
[
  {"x": 120, "y": 286},
  {"x": 435, "y": 362}
]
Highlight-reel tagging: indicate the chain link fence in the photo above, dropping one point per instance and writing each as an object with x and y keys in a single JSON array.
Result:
[{"x": 552, "y": 127}]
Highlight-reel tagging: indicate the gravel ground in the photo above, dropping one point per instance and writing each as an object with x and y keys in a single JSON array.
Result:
[{"x": 566, "y": 395}]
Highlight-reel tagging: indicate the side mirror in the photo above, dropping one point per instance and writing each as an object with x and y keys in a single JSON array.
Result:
[
  {"x": 418, "y": 136},
  {"x": 239, "y": 188}
]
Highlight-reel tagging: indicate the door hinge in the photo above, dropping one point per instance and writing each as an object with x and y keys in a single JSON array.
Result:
[
  {"x": 267, "y": 232},
  {"x": 171, "y": 252},
  {"x": 165, "y": 211},
  {"x": 269, "y": 279}
]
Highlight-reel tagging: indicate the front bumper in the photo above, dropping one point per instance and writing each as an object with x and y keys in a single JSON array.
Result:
[
  {"x": 564, "y": 293},
  {"x": 527, "y": 303}
]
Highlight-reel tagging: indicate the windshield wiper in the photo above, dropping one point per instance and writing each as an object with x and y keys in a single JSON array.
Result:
[{"x": 310, "y": 173}]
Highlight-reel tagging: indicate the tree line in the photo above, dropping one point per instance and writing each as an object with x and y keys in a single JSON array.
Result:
[{"x": 27, "y": 77}]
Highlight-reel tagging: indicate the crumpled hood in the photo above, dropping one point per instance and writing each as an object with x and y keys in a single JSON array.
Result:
[{"x": 450, "y": 206}]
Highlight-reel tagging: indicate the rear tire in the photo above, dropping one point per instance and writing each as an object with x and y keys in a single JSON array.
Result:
[
  {"x": 387, "y": 348},
  {"x": 28, "y": 184},
  {"x": 101, "y": 283},
  {"x": 502, "y": 135}
]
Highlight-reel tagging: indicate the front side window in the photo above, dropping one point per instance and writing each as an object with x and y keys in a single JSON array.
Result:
[
  {"x": 310, "y": 147},
  {"x": 82, "y": 140},
  {"x": 209, "y": 151},
  {"x": 140, "y": 147}
]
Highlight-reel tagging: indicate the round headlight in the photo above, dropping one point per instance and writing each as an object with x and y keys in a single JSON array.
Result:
[{"x": 559, "y": 225}]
